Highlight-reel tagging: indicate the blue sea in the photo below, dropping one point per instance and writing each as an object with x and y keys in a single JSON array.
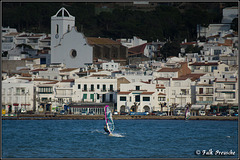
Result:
[{"x": 131, "y": 139}]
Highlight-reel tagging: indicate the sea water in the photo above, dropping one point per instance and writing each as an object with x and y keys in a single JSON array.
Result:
[{"x": 131, "y": 139}]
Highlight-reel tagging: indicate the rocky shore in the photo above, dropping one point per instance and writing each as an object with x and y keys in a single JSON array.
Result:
[{"x": 115, "y": 117}]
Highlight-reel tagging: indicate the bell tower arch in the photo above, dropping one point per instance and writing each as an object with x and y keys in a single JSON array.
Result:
[{"x": 61, "y": 23}]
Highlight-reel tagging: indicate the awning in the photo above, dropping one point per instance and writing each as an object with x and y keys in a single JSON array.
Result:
[
  {"x": 200, "y": 106},
  {"x": 15, "y": 104},
  {"x": 25, "y": 104}
]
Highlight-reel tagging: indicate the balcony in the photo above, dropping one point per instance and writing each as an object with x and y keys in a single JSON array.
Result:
[
  {"x": 220, "y": 98},
  {"x": 225, "y": 89},
  {"x": 204, "y": 102},
  {"x": 205, "y": 93},
  {"x": 103, "y": 90}
]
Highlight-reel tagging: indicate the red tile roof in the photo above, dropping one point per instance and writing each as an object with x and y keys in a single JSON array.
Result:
[
  {"x": 37, "y": 70},
  {"x": 93, "y": 40},
  {"x": 161, "y": 94},
  {"x": 68, "y": 80},
  {"x": 169, "y": 70},
  {"x": 150, "y": 93},
  {"x": 137, "y": 49},
  {"x": 68, "y": 69},
  {"x": 99, "y": 75}
]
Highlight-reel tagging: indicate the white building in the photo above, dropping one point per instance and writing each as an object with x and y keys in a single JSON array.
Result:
[
  {"x": 229, "y": 14},
  {"x": 137, "y": 97},
  {"x": 179, "y": 91},
  {"x": 95, "y": 88},
  {"x": 136, "y": 41},
  {"x": 212, "y": 29},
  {"x": 111, "y": 66},
  {"x": 68, "y": 46},
  {"x": 17, "y": 94}
]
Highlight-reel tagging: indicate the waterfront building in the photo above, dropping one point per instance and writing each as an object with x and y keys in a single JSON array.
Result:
[
  {"x": 179, "y": 91},
  {"x": 17, "y": 94},
  {"x": 95, "y": 88},
  {"x": 226, "y": 95},
  {"x": 63, "y": 93},
  {"x": 137, "y": 97}
]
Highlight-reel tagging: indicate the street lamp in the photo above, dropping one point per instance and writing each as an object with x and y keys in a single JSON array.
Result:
[{"x": 25, "y": 100}]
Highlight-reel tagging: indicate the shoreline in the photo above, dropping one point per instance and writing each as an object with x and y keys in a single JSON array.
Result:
[{"x": 115, "y": 117}]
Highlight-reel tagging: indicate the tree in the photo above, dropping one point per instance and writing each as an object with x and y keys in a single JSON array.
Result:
[
  {"x": 170, "y": 49},
  {"x": 234, "y": 24}
]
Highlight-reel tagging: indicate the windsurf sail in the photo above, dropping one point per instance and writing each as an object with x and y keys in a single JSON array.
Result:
[
  {"x": 109, "y": 119},
  {"x": 187, "y": 114}
]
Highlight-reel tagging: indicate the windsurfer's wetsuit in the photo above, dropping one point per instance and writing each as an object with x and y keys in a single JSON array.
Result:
[{"x": 106, "y": 130}]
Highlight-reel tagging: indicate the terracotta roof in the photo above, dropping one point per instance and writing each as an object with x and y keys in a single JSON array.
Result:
[
  {"x": 24, "y": 69},
  {"x": 137, "y": 49},
  {"x": 99, "y": 75},
  {"x": 204, "y": 64},
  {"x": 214, "y": 36},
  {"x": 37, "y": 70},
  {"x": 161, "y": 94},
  {"x": 193, "y": 77},
  {"x": 26, "y": 75},
  {"x": 68, "y": 69},
  {"x": 169, "y": 70},
  {"x": 150, "y": 93},
  {"x": 68, "y": 80},
  {"x": 93, "y": 40},
  {"x": 124, "y": 92}
]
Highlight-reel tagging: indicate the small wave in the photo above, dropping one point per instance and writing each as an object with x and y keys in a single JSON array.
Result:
[
  {"x": 228, "y": 136},
  {"x": 117, "y": 135},
  {"x": 97, "y": 131}
]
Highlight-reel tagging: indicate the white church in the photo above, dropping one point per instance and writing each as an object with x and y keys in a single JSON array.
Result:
[{"x": 68, "y": 46}]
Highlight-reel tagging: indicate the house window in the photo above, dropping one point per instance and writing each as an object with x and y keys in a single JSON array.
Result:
[
  {"x": 137, "y": 98},
  {"x": 79, "y": 86},
  {"x": 57, "y": 29},
  {"x": 92, "y": 97},
  {"x": 85, "y": 87},
  {"x": 92, "y": 87},
  {"x": 45, "y": 90},
  {"x": 111, "y": 87},
  {"x": 84, "y": 96},
  {"x": 97, "y": 96},
  {"x": 98, "y": 86},
  {"x": 161, "y": 99},
  {"x": 123, "y": 98},
  {"x": 137, "y": 88},
  {"x": 200, "y": 90},
  {"x": 104, "y": 87},
  {"x": 146, "y": 98},
  {"x": 111, "y": 97},
  {"x": 73, "y": 53}
]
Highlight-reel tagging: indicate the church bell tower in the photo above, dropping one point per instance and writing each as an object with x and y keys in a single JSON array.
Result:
[{"x": 61, "y": 23}]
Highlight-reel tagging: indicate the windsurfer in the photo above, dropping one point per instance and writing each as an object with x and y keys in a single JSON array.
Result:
[{"x": 106, "y": 130}]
